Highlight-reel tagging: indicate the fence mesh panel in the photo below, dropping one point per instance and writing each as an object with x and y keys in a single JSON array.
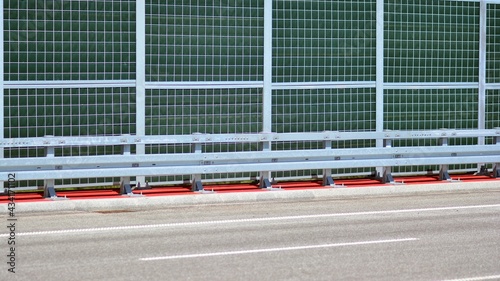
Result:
[
  {"x": 204, "y": 40},
  {"x": 431, "y": 41},
  {"x": 69, "y": 112},
  {"x": 69, "y": 40},
  {"x": 323, "y": 110},
  {"x": 493, "y": 44},
  {"x": 323, "y": 41},
  {"x": 213, "y": 111},
  {"x": 424, "y": 109}
]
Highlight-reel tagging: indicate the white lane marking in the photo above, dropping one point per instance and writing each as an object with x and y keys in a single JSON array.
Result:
[
  {"x": 492, "y": 277},
  {"x": 263, "y": 219},
  {"x": 267, "y": 250}
]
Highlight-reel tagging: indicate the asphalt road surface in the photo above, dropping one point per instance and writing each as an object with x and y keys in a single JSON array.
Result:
[{"x": 439, "y": 236}]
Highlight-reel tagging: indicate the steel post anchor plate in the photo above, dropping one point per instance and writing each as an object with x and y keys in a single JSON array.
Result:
[
  {"x": 328, "y": 181},
  {"x": 444, "y": 176},
  {"x": 126, "y": 190},
  {"x": 49, "y": 192},
  {"x": 266, "y": 184},
  {"x": 387, "y": 178},
  {"x": 483, "y": 171},
  {"x": 197, "y": 186}
]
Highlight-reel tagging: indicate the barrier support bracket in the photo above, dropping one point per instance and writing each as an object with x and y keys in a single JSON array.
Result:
[
  {"x": 327, "y": 173},
  {"x": 49, "y": 191},
  {"x": 265, "y": 183},
  {"x": 328, "y": 181},
  {"x": 126, "y": 188},
  {"x": 496, "y": 170},
  {"x": 197, "y": 185}
]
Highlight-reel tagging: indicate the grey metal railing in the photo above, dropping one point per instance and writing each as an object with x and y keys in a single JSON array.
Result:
[{"x": 51, "y": 168}]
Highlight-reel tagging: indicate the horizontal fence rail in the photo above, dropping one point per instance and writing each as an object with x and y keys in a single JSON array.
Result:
[
  {"x": 191, "y": 163},
  {"x": 244, "y": 138}
]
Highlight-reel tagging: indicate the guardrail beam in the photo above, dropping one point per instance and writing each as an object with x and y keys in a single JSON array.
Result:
[
  {"x": 264, "y": 162},
  {"x": 241, "y": 138}
]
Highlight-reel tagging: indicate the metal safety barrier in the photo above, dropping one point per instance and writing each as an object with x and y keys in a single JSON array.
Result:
[{"x": 197, "y": 163}]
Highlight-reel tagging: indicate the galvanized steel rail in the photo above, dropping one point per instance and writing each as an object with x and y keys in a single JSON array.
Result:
[{"x": 51, "y": 168}]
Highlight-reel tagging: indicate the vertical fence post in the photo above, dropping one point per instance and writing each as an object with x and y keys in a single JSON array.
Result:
[
  {"x": 379, "y": 65},
  {"x": 482, "y": 73},
  {"x": 268, "y": 67},
  {"x": 267, "y": 92},
  {"x": 140, "y": 79}
]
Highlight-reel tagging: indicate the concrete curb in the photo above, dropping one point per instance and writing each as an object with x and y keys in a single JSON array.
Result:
[{"x": 159, "y": 202}]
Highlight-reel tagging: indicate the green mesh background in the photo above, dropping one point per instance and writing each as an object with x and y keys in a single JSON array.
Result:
[
  {"x": 493, "y": 44},
  {"x": 215, "y": 111},
  {"x": 323, "y": 110},
  {"x": 431, "y": 109},
  {"x": 69, "y": 40},
  {"x": 69, "y": 112},
  {"x": 431, "y": 41},
  {"x": 492, "y": 109},
  {"x": 204, "y": 40},
  {"x": 323, "y": 41}
]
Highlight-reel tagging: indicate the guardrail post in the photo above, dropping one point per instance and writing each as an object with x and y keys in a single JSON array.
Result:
[
  {"x": 196, "y": 184},
  {"x": 125, "y": 187},
  {"x": 265, "y": 176},
  {"x": 443, "y": 169},
  {"x": 49, "y": 190},
  {"x": 386, "y": 176},
  {"x": 327, "y": 173}
]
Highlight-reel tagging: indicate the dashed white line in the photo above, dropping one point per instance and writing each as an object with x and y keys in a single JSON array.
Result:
[
  {"x": 249, "y": 220},
  {"x": 481, "y": 278},
  {"x": 268, "y": 250}
]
